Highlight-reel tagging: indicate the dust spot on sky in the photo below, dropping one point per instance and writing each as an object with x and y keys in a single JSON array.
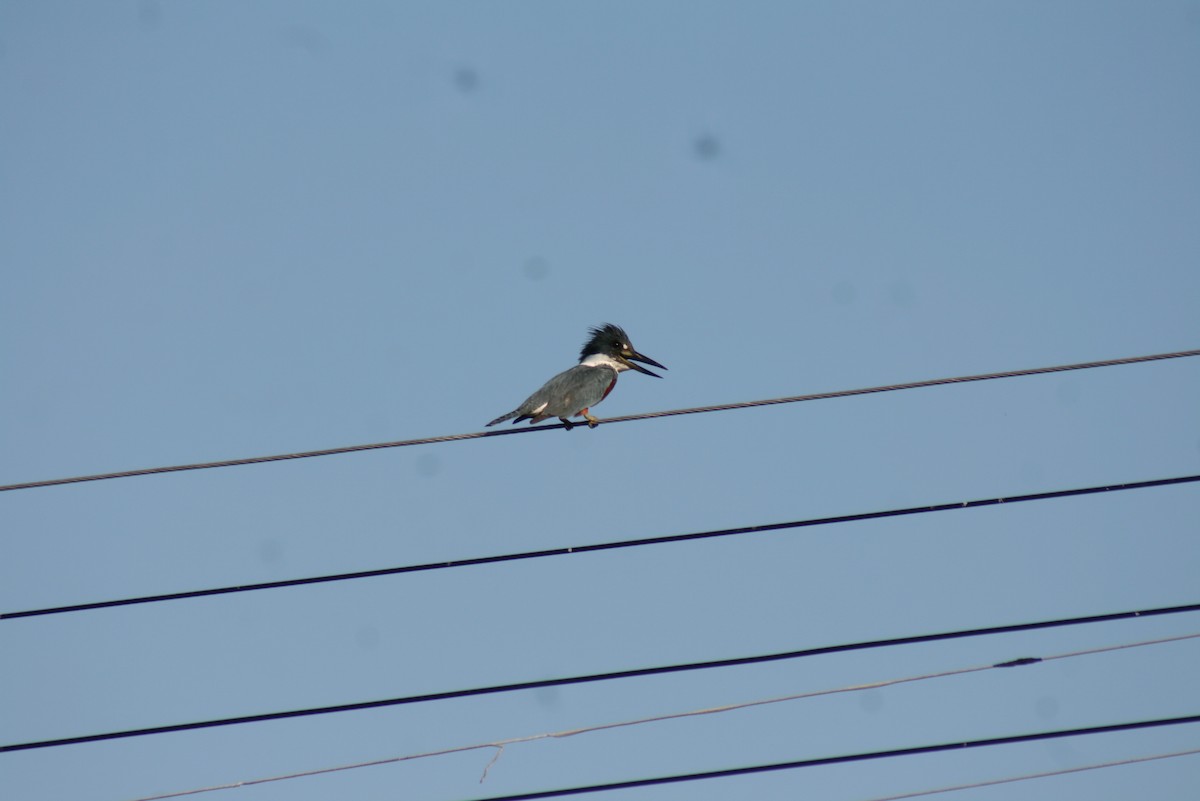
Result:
[
  {"x": 1046, "y": 707},
  {"x": 548, "y": 697},
  {"x": 466, "y": 79},
  {"x": 844, "y": 293},
  {"x": 535, "y": 268},
  {"x": 1067, "y": 392},
  {"x": 367, "y": 637},
  {"x": 1192, "y": 14},
  {"x": 302, "y": 37},
  {"x": 429, "y": 465},
  {"x": 706, "y": 147},
  {"x": 902, "y": 293},
  {"x": 149, "y": 14},
  {"x": 1032, "y": 473},
  {"x": 871, "y": 701},
  {"x": 270, "y": 550}
]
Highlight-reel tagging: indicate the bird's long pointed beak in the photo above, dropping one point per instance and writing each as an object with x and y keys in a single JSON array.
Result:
[{"x": 637, "y": 357}]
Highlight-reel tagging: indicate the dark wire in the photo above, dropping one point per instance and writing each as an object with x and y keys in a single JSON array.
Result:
[
  {"x": 497, "y": 746},
  {"x": 645, "y": 416},
  {"x": 614, "y": 675},
  {"x": 602, "y": 546},
  {"x": 835, "y": 760}
]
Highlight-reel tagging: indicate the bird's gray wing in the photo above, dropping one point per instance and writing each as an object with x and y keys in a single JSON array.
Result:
[{"x": 570, "y": 392}]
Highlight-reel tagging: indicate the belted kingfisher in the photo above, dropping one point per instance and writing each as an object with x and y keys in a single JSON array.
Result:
[{"x": 606, "y": 353}]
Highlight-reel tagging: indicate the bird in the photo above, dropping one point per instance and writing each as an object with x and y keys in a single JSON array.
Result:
[{"x": 573, "y": 392}]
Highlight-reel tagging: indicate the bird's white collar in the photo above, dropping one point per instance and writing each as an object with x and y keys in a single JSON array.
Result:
[{"x": 604, "y": 360}]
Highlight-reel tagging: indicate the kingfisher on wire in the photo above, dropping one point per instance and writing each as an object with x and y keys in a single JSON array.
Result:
[{"x": 574, "y": 392}]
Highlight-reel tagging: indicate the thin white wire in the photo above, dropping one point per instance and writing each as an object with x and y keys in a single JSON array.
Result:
[
  {"x": 500, "y": 745},
  {"x": 1046, "y": 775}
]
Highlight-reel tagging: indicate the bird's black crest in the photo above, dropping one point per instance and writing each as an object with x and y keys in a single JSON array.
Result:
[{"x": 604, "y": 339}]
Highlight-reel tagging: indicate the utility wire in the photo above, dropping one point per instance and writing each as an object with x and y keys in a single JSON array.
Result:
[
  {"x": 624, "y": 419},
  {"x": 499, "y": 745},
  {"x": 610, "y": 676},
  {"x": 955, "y": 788},
  {"x": 845, "y": 758},
  {"x": 1061, "y": 772},
  {"x": 603, "y": 546}
]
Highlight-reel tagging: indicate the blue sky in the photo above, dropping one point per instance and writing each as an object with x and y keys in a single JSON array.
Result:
[{"x": 242, "y": 228}]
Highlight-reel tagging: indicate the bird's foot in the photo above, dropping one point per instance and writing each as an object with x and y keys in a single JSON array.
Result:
[
  {"x": 591, "y": 421},
  {"x": 567, "y": 424}
]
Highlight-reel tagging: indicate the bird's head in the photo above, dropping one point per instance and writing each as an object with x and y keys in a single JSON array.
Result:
[{"x": 612, "y": 341}]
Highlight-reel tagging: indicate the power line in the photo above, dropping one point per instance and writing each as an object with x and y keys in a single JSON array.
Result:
[
  {"x": 603, "y": 546},
  {"x": 845, "y": 758},
  {"x": 610, "y": 676},
  {"x": 916, "y": 794},
  {"x": 500, "y": 745},
  {"x": 1116, "y": 763},
  {"x": 624, "y": 419}
]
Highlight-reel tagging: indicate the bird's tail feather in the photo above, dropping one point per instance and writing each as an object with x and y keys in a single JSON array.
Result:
[{"x": 504, "y": 417}]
